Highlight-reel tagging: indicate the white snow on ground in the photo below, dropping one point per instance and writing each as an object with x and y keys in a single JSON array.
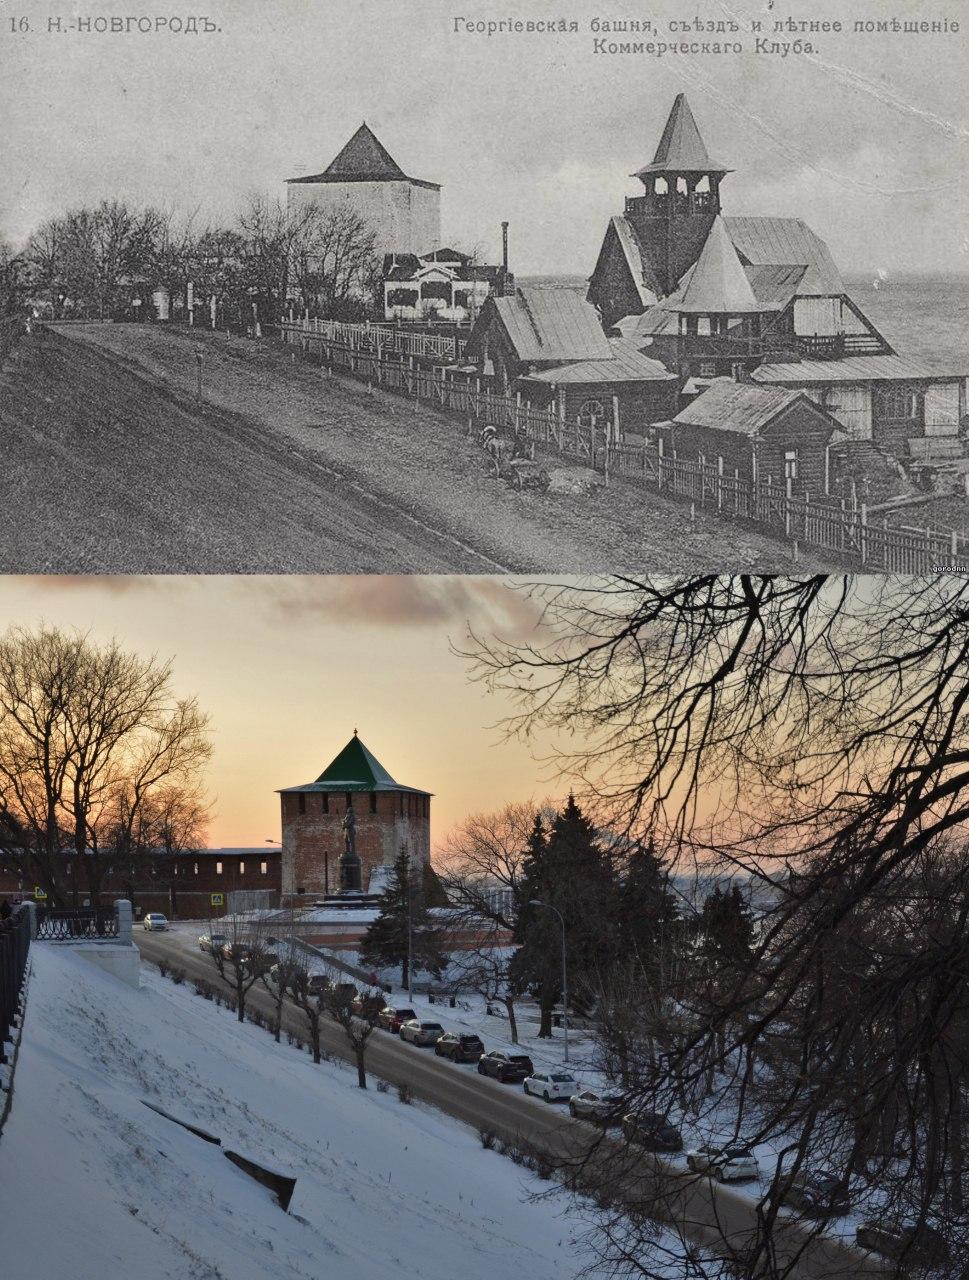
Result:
[
  {"x": 714, "y": 1127},
  {"x": 92, "y": 1182}
]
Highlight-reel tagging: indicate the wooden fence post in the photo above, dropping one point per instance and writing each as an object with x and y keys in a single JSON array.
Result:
[
  {"x": 863, "y": 532},
  {"x": 720, "y": 482}
]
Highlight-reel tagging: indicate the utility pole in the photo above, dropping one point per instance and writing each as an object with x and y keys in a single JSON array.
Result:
[{"x": 410, "y": 936}]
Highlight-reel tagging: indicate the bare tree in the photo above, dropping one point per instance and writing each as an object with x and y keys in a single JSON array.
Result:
[
  {"x": 483, "y": 859},
  {"x": 307, "y": 990},
  {"x": 245, "y": 958},
  {"x": 810, "y": 736},
  {"x": 355, "y": 1015},
  {"x": 87, "y": 734}
]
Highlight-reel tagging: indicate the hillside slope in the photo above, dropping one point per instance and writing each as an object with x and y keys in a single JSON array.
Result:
[{"x": 92, "y": 1181}]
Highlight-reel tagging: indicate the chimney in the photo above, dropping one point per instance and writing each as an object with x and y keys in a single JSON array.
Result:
[{"x": 504, "y": 247}]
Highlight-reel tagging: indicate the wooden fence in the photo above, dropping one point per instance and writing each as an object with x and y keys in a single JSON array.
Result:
[
  {"x": 381, "y": 338},
  {"x": 807, "y": 519}
]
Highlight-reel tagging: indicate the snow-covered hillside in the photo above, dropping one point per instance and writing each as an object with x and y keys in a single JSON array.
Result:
[{"x": 94, "y": 1184}]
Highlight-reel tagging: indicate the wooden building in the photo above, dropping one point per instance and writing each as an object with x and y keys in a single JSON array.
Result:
[
  {"x": 890, "y": 400},
  {"x": 759, "y": 433},
  {"x": 532, "y": 330},
  {"x": 442, "y": 285},
  {"x": 715, "y": 296},
  {"x": 629, "y": 389}
]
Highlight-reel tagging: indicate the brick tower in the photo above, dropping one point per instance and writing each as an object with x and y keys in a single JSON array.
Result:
[{"x": 388, "y": 816}]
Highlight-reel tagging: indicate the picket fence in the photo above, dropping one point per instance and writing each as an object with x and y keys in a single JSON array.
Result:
[
  {"x": 382, "y": 338},
  {"x": 805, "y": 519}
]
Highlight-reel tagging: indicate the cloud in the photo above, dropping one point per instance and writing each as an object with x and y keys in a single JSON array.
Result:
[{"x": 499, "y": 606}]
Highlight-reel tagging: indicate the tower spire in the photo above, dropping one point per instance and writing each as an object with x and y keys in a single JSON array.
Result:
[{"x": 681, "y": 148}]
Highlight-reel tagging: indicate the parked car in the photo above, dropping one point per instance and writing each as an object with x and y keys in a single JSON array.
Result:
[
  {"x": 818, "y": 1193},
  {"x": 726, "y": 1164},
  {"x": 391, "y": 1018},
  {"x": 459, "y": 1048},
  {"x": 509, "y": 1068},
  {"x": 155, "y": 920},
  {"x": 245, "y": 954},
  {"x": 652, "y": 1131},
  {"x": 601, "y": 1107},
  {"x": 421, "y": 1033},
  {"x": 211, "y": 942},
  {"x": 904, "y": 1241},
  {"x": 551, "y": 1085}
]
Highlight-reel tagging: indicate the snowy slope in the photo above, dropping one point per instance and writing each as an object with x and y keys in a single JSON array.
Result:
[{"x": 92, "y": 1181}]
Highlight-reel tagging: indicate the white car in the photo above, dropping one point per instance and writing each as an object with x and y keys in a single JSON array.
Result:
[
  {"x": 726, "y": 1164},
  {"x": 551, "y": 1085},
  {"x": 155, "y": 920},
  {"x": 424, "y": 1033}
]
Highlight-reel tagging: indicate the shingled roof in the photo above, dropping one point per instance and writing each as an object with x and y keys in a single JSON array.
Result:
[
  {"x": 716, "y": 283},
  {"x": 681, "y": 148},
  {"x": 364, "y": 159},
  {"x": 548, "y": 325},
  {"x": 355, "y": 768},
  {"x": 739, "y": 407}
]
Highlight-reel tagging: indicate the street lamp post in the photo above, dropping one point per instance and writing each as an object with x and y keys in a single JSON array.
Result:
[{"x": 534, "y": 902}]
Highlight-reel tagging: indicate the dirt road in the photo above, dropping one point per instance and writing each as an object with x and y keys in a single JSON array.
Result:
[{"x": 109, "y": 464}]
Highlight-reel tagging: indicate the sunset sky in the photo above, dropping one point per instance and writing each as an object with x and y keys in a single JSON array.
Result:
[
  {"x": 288, "y": 667},
  {"x": 866, "y": 139}
]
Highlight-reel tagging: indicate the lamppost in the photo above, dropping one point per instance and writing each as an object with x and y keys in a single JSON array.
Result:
[{"x": 534, "y": 902}]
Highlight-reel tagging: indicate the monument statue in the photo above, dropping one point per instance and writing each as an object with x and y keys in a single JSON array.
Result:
[{"x": 351, "y": 869}]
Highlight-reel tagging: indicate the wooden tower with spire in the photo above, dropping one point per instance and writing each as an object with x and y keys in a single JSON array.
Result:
[{"x": 682, "y": 198}]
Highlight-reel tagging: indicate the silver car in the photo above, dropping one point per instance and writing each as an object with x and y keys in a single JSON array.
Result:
[
  {"x": 603, "y": 1108},
  {"x": 422, "y": 1033},
  {"x": 155, "y": 920},
  {"x": 726, "y": 1164}
]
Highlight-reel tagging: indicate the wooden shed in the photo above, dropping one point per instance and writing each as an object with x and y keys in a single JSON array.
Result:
[
  {"x": 629, "y": 389},
  {"x": 532, "y": 330},
  {"x": 758, "y": 431}
]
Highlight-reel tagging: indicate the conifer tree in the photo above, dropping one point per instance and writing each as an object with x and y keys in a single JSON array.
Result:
[
  {"x": 403, "y": 930},
  {"x": 726, "y": 928},
  {"x": 568, "y": 870},
  {"x": 648, "y": 912}
]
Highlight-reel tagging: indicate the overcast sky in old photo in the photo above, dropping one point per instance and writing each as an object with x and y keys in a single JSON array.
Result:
[
  {"x": 288, "y": 667},
  {"x": 866, "y": 139}
]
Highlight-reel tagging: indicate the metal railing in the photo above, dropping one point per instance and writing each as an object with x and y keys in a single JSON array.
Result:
[
  {"x": 14, "y": 945},
  {"x": 72, "y": 925}
]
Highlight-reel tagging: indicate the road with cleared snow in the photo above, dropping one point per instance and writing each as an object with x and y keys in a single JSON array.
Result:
[{"x": 709, "y": 1212}]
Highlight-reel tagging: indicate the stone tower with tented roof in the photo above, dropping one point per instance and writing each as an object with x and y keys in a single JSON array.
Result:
[
  {"x": 404, "y": 213},
  {"x": 388, "y": 817}
]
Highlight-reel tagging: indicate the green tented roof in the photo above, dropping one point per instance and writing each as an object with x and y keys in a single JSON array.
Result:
[{"x": 355, "y": 768}]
